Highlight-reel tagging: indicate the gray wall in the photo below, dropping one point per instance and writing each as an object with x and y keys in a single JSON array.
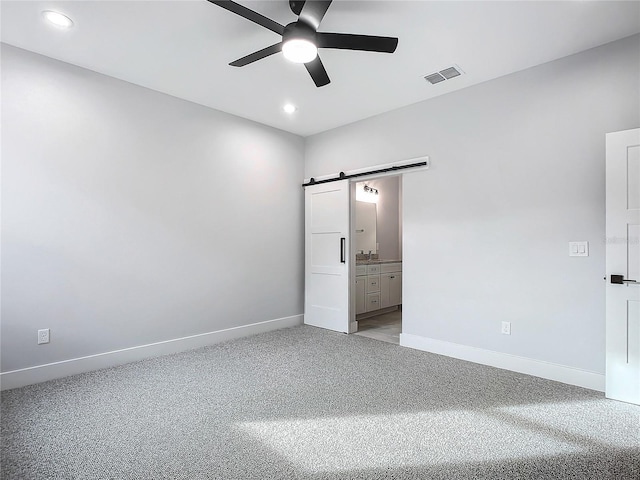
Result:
[
  {"x": 517, "y": 172},
  {"x": 131, "y": 217}
]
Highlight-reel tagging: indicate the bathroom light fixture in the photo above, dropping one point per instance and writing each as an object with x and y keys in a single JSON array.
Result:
[
  {"x": 365, "y": 193},
  {"x": 57, "y": 19}
]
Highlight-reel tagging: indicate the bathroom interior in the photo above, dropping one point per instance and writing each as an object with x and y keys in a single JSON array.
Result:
[{"x": 378, "y": 273}]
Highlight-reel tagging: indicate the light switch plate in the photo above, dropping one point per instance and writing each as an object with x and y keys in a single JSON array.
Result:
[{"x": 578, "y": 249}]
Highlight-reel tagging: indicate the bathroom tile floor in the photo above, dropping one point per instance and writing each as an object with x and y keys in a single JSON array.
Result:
[{"x": 385, "y": 327}]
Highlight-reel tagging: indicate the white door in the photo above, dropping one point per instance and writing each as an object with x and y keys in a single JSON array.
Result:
[
  {"x": 326, "y": 302},
  {"x": 623, "y": 266}
]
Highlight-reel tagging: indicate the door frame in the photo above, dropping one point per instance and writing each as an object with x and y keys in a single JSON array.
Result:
[
  {"x": 353, "y": 323},
  {"x": 622, "y": 377}
]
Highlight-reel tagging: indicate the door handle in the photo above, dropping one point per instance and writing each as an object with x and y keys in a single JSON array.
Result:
[
  {"x": 619, "y": 280},
  {"x": 343, "y": 244}
]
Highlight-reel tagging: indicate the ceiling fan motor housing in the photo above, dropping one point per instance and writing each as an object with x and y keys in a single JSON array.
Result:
[{"x": 299, "y": 30}]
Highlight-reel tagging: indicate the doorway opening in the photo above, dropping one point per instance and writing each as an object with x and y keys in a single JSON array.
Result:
[{"x": 377, "y": 246}]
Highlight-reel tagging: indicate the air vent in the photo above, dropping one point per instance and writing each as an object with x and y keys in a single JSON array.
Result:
[
  {"x": 449, "y": 72},
  {"x": 434, "y": 78},
  {"x": 442, "y": 75}
]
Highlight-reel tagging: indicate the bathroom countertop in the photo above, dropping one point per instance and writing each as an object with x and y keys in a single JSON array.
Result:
[{"x": 376, "y": 262}]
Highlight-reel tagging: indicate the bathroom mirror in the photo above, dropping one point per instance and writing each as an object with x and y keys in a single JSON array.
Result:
[{"x": 366, "y": 224}]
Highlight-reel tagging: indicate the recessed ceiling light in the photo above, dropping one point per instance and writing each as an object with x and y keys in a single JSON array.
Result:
[
  {"x": 57, "y": 19},
  {"x": 289, "y": 108}
]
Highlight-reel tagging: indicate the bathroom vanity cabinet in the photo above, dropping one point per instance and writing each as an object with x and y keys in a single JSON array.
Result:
[{"x": 378, "y": 285}]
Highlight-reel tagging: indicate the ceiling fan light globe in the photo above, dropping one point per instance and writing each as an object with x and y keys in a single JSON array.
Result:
[{"x": 299, "y": 50}]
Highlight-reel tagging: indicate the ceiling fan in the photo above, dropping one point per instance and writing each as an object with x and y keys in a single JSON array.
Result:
[{"x": 301, "y": 39}]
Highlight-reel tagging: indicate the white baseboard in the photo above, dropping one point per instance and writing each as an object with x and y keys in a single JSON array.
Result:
[
  {"x": 529, "y": 366},
  {"x": 73, "y": 366}
]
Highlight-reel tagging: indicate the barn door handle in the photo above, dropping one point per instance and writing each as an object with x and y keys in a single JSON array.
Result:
[
  {"x": 343, "y": 244},
  {"x": 619, "y": 280}
]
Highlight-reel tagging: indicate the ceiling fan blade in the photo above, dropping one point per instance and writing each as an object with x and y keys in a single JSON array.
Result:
[
  {"x": 249, "y": 14},
  {"x": 259, "y": 55},
  {"x": 313, "y": 11},
  {"x": 317, "y": 72},
  {"x": 296, "y": 6},
  {"x": 347, "y": 41}
]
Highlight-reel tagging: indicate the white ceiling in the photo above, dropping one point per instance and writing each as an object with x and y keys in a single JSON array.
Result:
[{"x": 183, "y": 48}]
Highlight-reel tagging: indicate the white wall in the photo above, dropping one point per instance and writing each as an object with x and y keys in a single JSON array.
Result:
[
  {"x": 131, "y": 217},
  {"x": 517, "y": 171}
]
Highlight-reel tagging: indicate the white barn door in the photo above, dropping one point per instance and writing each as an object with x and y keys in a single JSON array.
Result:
[
  {"x": 327, "y": 228},
  {"x": 623, "y": 266}
]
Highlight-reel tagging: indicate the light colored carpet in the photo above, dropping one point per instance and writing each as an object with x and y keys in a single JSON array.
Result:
[{"x": 306, "y": 403}]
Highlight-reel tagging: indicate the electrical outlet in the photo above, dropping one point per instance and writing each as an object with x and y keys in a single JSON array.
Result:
[
  {"x": 43, "y": 336},
  {"x": 506, "y": 328}
]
